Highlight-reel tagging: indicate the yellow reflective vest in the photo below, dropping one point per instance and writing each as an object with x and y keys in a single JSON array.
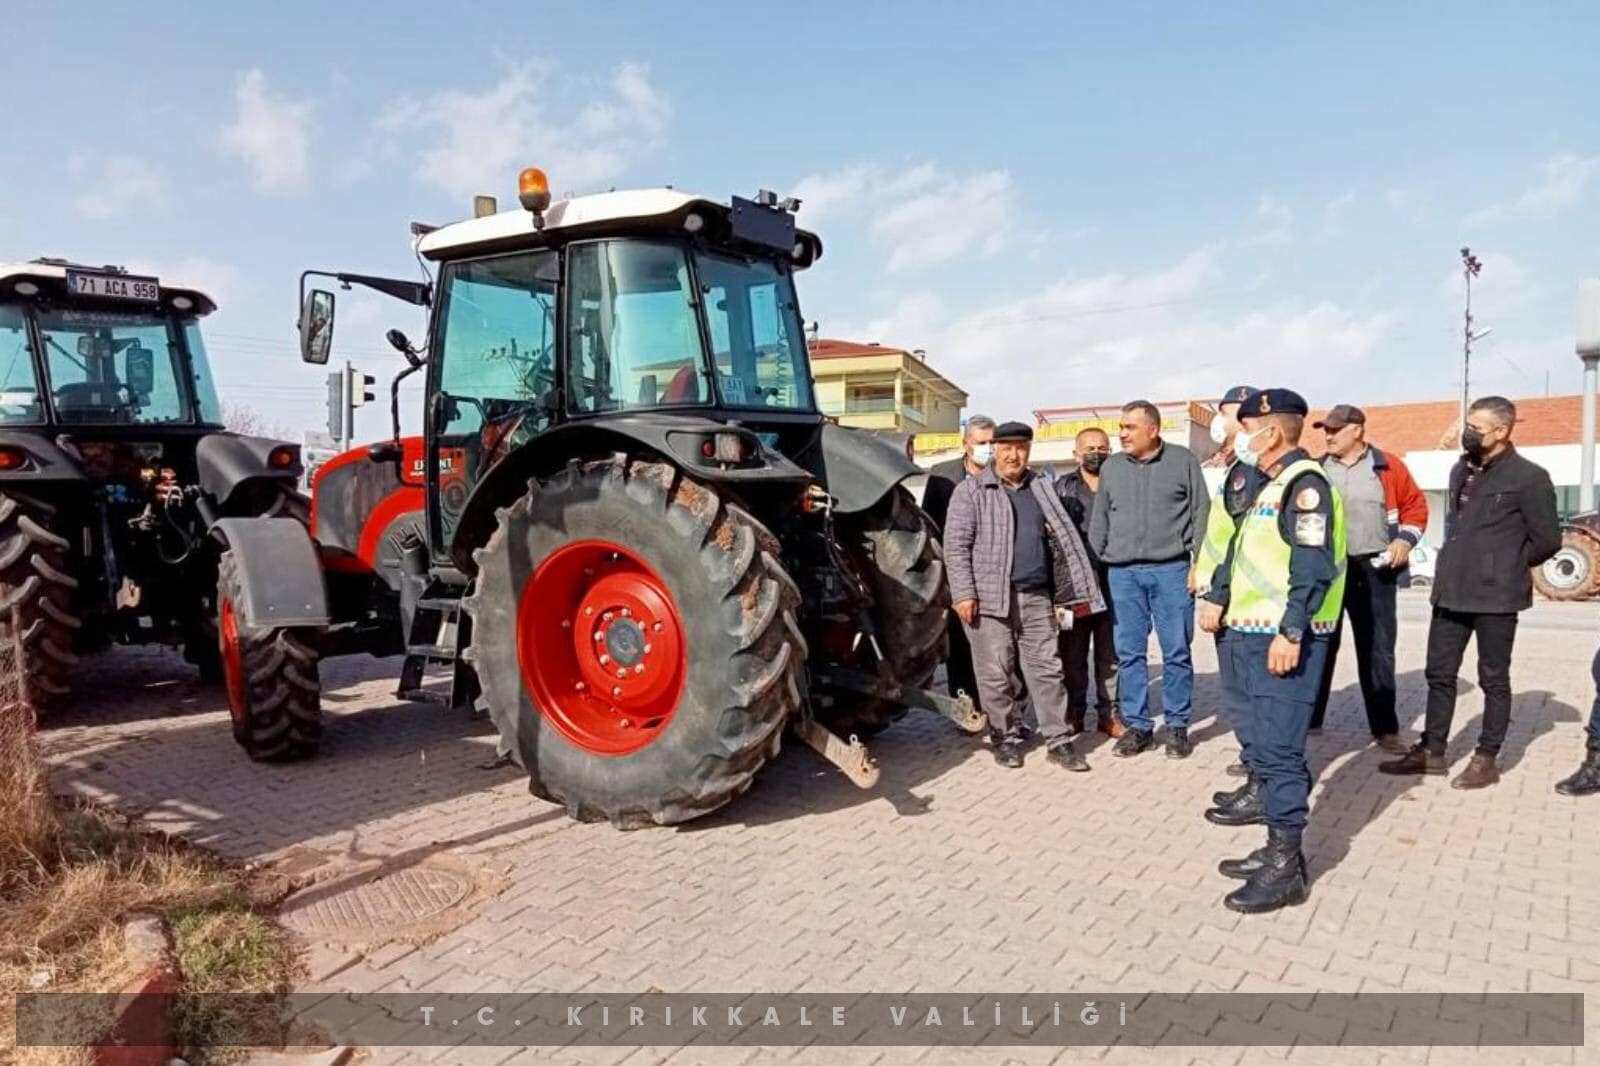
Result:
[{"x": 1259, "y": 575}]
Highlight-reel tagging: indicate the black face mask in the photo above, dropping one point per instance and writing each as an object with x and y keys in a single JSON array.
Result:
[
  {"x": 1092, "y": 461},
  {"x": 1472, "y": 442}
]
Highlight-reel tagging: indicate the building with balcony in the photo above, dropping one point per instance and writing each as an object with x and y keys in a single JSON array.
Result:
[{"x": 873, "y": 386}]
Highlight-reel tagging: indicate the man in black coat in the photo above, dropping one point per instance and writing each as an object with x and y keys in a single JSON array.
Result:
[
  {"x": 976, "y": 452},
  {"x": 1500, "y": 522}
]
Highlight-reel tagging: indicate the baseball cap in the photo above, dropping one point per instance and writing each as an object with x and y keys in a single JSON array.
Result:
[{"x": 1342, "y": 415}]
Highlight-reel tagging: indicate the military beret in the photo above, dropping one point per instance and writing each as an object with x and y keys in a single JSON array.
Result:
[
  {"x": 1237, "y": 394},
  {"x": 1273, "y": 402},
  {"x": 1013, "y": 431}
]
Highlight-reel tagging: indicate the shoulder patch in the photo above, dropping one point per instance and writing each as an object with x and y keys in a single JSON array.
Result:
[
  {"x": 1310, "y": 530},
  {"x": 1238, "y": 481},
  {"x": 1308, "y": 499}
]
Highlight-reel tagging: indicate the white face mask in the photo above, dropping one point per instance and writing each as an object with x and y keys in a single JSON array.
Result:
[
  {"x": 983, "y": 453},
  {"x": 1246, "y": 446},
  {"x": 1219, "y": 431}
]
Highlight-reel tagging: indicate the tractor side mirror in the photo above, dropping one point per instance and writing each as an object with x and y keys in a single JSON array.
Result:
[
  {"x": 400, "y": 343},
  {"x": 140, "y": 372},
  {"x": 387, "y": 451},
  {"x": 316, "y": 327}
]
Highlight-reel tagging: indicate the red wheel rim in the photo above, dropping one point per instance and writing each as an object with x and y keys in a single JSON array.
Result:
[
  {"x": 232, "y": 660},
  {"x": 601, "y": 648}
]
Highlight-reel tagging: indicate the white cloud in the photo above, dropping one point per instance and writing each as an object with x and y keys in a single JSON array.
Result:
[
  {"x": 1562, "y": 182},
  {"x": 1276, "y": 222},
  {"x": 1112, "y": 337},
  {"x": 271, "y": 134},
  {"x": 913, "y": 216},
  {"x": 117, "y": 186},
  {"x": 480, "y": 140}
]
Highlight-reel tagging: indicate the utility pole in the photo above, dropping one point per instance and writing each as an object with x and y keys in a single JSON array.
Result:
[
  {"x": 1470, "y": 265},
  {"x": 1589, "y": 351}
]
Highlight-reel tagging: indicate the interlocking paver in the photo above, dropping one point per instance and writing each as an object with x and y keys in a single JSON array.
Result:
[{"x": 954, "y": 875}]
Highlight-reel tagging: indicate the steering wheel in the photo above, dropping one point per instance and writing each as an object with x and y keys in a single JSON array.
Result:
[{"x": 88, "y": 395}]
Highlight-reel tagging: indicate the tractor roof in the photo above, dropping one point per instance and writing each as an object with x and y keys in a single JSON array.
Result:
[
  {"x": 53, "y": 272},
  {"x": 622, "y": 213}
]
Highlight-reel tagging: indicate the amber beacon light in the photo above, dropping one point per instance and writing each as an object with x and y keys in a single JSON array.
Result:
[{"x": 533, "y": 189}]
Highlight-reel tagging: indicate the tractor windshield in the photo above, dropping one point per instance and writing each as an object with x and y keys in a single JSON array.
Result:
[{"x": 125, "y": 367}]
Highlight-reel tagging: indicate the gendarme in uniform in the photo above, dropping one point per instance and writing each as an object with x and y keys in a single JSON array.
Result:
[{"x": 1279, "y": 591}]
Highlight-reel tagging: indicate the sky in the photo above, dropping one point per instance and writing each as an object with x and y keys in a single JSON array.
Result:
[{"x": 1062, "y": 204}]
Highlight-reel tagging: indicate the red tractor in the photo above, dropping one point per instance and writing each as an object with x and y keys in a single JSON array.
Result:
[{"x": 627, "y": 527}]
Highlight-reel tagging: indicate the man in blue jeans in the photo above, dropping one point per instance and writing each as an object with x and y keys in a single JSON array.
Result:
[
  {"x": 1149, "y": 520},
  {"x": 1586, "y": 782}
]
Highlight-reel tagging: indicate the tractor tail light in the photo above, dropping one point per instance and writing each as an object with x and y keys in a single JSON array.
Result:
[
  {"x": 283, "y": 457},
  {"x": 12, "y": 458}
]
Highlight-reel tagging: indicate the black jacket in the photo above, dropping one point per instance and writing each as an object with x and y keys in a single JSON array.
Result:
[
  {"x": 942, "y": 481},
  {"x": 1508, "y": 526}
]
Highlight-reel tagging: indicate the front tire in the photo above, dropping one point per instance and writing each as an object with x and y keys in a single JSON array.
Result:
[
  {"x": 629, "y": 565},
  {"x": 897, "y": 549},
  {"x": 270, "y": 676},
  {"x": 36, "y": 615}
]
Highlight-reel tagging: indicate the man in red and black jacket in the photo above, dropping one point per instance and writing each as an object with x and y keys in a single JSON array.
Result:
[{"x": 1386, "y": 515}]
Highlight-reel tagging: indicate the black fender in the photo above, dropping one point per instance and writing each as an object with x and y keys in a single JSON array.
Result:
[
  {"x": 44, "y": 459},
  {"x": 279, "y": 569},
  {"x": 675, "y": 438},
  {"x": 858, "y": 468},
  {"x": 225, "y": 461}
]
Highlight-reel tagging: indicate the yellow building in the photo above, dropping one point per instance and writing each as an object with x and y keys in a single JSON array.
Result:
[{"x": 870, "y": 386}]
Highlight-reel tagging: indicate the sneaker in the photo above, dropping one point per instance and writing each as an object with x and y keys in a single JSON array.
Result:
[
  {"x": 1179, "y": 746},
  {"x": 1419, "y": 760},
  {"x": 1008, "y": 753},
  {"x": 1067, "y": 757},
  {"x": 1132, "y": 742}
]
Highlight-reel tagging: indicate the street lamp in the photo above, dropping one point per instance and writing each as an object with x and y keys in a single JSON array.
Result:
[
  {"x": 1589, "y": 351},
  {"x": 1470, "y": 266}
]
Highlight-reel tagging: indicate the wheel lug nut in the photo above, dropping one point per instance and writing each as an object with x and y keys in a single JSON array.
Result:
[
  {"x": 599, "y": 635},
  {"x": 647, "y": 649},
  {"x": 639, "y": 669},
  {"x": 626, "y": 723},
  {"x": 582, "y": 687},
  {"x": 566, "y": 624},
  {"x": 627, "y": 612},
  {"x": 622, "y": 671},
  {"x": 606, "y": 617},
  {"x": 617, "y": 691},
  {"x": 604, "y": 659},
  {"x": 656, "y": 628},
  {"x": 588, "y": 610}
]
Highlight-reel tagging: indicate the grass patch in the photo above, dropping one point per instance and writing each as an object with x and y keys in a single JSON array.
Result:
[{"x": 70, "y": 875}]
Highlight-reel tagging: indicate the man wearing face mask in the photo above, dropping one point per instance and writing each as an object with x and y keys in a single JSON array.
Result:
[
  {"x": 1500, "y": 522},
  {"x": 1077, "y": 492},
  {"x": 977, "y": 449},
  {"x": 1279, "y": 592},
  {"x": 1243, "y": 805}
]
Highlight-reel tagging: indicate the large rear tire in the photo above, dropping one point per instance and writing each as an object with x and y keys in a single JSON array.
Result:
[
  {"x": 36, "y": 615},
  {"x": 897, "y": 549},
  {"x": 1573, "y": 573},
  {"x": 628, "y": 565},
  {"x": 270, "y": 676}
]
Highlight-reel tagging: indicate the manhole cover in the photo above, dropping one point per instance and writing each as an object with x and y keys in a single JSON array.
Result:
[{"x": 403, "y": 897}]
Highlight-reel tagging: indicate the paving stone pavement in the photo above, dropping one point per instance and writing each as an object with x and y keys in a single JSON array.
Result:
[{"x": 952, "y": 875}]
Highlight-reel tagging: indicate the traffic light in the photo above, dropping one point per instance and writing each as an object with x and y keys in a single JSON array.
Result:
[
  {"x": 336, "y": 404},
  {"x": 361, "y": 386}
]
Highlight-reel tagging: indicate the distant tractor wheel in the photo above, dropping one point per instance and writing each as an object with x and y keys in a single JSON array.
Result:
[
  {"x": 37, "y": 623},
  {"x": 1573, "y": 573},
  {"x": 270, "y": 676},
  {"x": 635, "y": 637},
  {"x": 897, "y": 551}
]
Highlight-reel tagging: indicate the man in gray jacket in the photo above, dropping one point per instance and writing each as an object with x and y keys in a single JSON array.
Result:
[
  {"x": 1149, "y": 520},
  {"x": 1017, "y": 570}
]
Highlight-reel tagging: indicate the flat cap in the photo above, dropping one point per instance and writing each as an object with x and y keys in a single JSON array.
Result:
[
  {"x": 1342, "y": 415},
  {"x": 1237, "y": 394},
  {"x": 1012, "y": 431},
  {"x": 1273, "y": 402}
]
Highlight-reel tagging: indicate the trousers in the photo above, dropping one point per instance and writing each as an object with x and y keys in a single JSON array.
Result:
[
  {"x": 1235, "y": 700},
  {"x": 1279, "y": 715},
  {"x": 1095, "y": 630},
  {"x": 1447, "y": 643},
  {"x": 959, "y": 676},
  {"x": 1146, "y": 597},
  {"x": 1008, "y": 653},
  {"x": 1369, "y": 607}
]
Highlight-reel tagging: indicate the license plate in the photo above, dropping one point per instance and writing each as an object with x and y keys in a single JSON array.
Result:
[{"x": 114, "y": 286}]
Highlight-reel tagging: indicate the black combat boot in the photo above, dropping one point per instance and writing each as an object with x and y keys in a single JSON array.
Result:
[
  {"x": 1243, "y": 868},
  {"x": 1281, "y": 880},
  {"x": 1586, "y": 782},
  {"x": 1249, "y": 809}
]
